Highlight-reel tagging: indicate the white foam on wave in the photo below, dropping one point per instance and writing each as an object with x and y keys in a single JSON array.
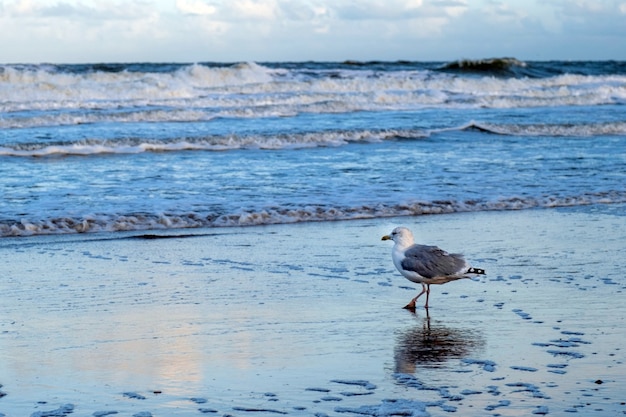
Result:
[
  {"x": 278, "y": 215},
  {"x": 298, "y": 140},
  {"x": 91, "y": 117},
  {"x": 293, "y": 140},
  {"x": 254, "y": 87},
  {"x": 213, "y": 143},
  {"x": 566, "y": 130},
  {"x": 42, "y": 83}
]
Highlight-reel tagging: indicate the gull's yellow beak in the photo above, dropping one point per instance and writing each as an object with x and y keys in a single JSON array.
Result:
[{"x": 386, "y": 237}]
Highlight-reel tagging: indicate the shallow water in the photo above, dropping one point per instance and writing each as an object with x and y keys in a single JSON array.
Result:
[
  {"x": 128, "y": 147},
  {"x": 307, "y": 320}
]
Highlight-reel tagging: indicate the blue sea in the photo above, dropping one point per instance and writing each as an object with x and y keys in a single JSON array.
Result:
[{"x": 149, "y": 146}]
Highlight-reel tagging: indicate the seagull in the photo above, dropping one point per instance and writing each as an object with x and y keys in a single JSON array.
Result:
[{"x": 426, "y": 265}]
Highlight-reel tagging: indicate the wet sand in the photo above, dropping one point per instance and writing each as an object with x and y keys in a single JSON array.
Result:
[{"x": 307, "y": 320}]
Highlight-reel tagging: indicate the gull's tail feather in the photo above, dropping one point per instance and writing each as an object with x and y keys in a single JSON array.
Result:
[{"x": 476, "y": 271}]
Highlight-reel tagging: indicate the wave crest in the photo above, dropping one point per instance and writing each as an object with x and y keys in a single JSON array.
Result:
[
  {"x": 280, "y": 215},
  {"x": 301, "y": 140},
  {"x": 208, "y": 143},
  {"x": 489, "y": 66},
  {"x": 250, "y": 89},
  {"x": 564, "y": 130}
]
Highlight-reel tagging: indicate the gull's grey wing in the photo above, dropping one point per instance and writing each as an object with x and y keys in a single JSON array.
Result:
[{"x": 431, "y": 261}]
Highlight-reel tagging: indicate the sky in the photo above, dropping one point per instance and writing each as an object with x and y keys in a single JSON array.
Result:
[{"x": 88, "y": 31}]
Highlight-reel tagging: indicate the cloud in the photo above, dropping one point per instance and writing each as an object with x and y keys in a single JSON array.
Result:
[
  {"x": 80, "y": 31},
  {"x": 272, "y": 30},
  {"x": 376, "y": 9},
  {"x": 253, "y": 9},
  {"x": 195, "y": 7},
  {"x": 63, "y": 10},
  {"x": 303, "y": 11},
  {"x": 348, "y": 10},
  {"x": 232, "y": 10}
]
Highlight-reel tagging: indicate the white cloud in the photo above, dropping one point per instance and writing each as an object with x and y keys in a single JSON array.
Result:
[
  {"x": 195, "y": 7},
  {"x": 230, "y": 10},
  {"x": 254, "y": 9},
  {"x": 19, "y": 8},
  {"x": 376, "y": 9},
  {"x": 303, "y": 11},
  {"x": 65, "y": 10}
]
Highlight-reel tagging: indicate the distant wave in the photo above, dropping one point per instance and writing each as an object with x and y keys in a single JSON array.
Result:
[
  {"x": 508, "y": 67},
  {"x": 44, "y": 96},
  {"x": 278, "y": 215},
  {"x": 490, "y": 66},
  {"x": 48, "y": 87}
]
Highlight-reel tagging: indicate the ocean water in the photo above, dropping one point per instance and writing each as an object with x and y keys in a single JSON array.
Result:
[{"x": 144, "y": 146}]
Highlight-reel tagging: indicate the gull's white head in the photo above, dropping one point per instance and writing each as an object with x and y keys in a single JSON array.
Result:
[{"x": 401, "y": 236}]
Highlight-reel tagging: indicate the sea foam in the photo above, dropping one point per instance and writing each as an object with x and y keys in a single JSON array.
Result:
[
  {"x": 160, "y": 221},
  {"x": 256, "y": 88}
]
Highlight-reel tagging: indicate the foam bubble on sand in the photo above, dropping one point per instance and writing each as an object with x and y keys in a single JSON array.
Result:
[
  {"x": 199, "y": 400},
  {"x": 389, "y": 407},
  {"x": 365, "y": 384},
  {"x": 522, "y": 314},
  {"x": 528, "y": 387},
  {"x": 470, "y": 392},
  {"x": 259, "y": 410},
  {"x": 541, "y": 410},
  {"x": 134, "y": 396},
  {"x": 572, "y": 333},
  {"x": 355, "y": 394},
  {"x": 501, "y": 403},
  {"x": 524, "y": 368},
  {"x": 493, "y": 390},
  {"x": 328, "y": 398},
  {"x": 489, "y": 366},
  {"x": 567, "y": 353},
  {"x": 62, "y": 411},
  {"x": 563, "y": 343},
  {"x": 317, "y": 389},
  {"x": 207, "y": 410}
]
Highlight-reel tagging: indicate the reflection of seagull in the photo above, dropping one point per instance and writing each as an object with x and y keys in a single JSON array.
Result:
[
  {"x": 426, "y": 264},
  {"x": 429, "y": 346}
]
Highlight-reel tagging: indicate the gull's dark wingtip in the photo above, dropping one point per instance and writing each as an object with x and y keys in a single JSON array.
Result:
[{"x": 477, "y": 271}]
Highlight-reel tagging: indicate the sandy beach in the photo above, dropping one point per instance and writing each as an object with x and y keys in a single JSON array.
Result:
[{"x": 307, "y": 320}]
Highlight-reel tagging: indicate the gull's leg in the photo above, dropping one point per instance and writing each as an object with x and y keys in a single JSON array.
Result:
[
  {"x": 427, "y": 294},
  {"x": 411, "y": 305}
]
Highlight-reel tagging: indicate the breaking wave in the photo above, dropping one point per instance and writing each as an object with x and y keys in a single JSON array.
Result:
[
  {"x": 200, "y": 91},
  {"x": 491, "y": 66},
  {"x": 566, "y": 130},
  {"x": 278, "y": 215},
  {"x": 208, "y": 143},
  {"x": 301, "y": 140}
]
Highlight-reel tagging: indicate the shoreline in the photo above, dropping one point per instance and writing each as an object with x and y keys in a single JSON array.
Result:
[
  {"x": 159, "y": 222},
  {"x": 306, "y": 318}
]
